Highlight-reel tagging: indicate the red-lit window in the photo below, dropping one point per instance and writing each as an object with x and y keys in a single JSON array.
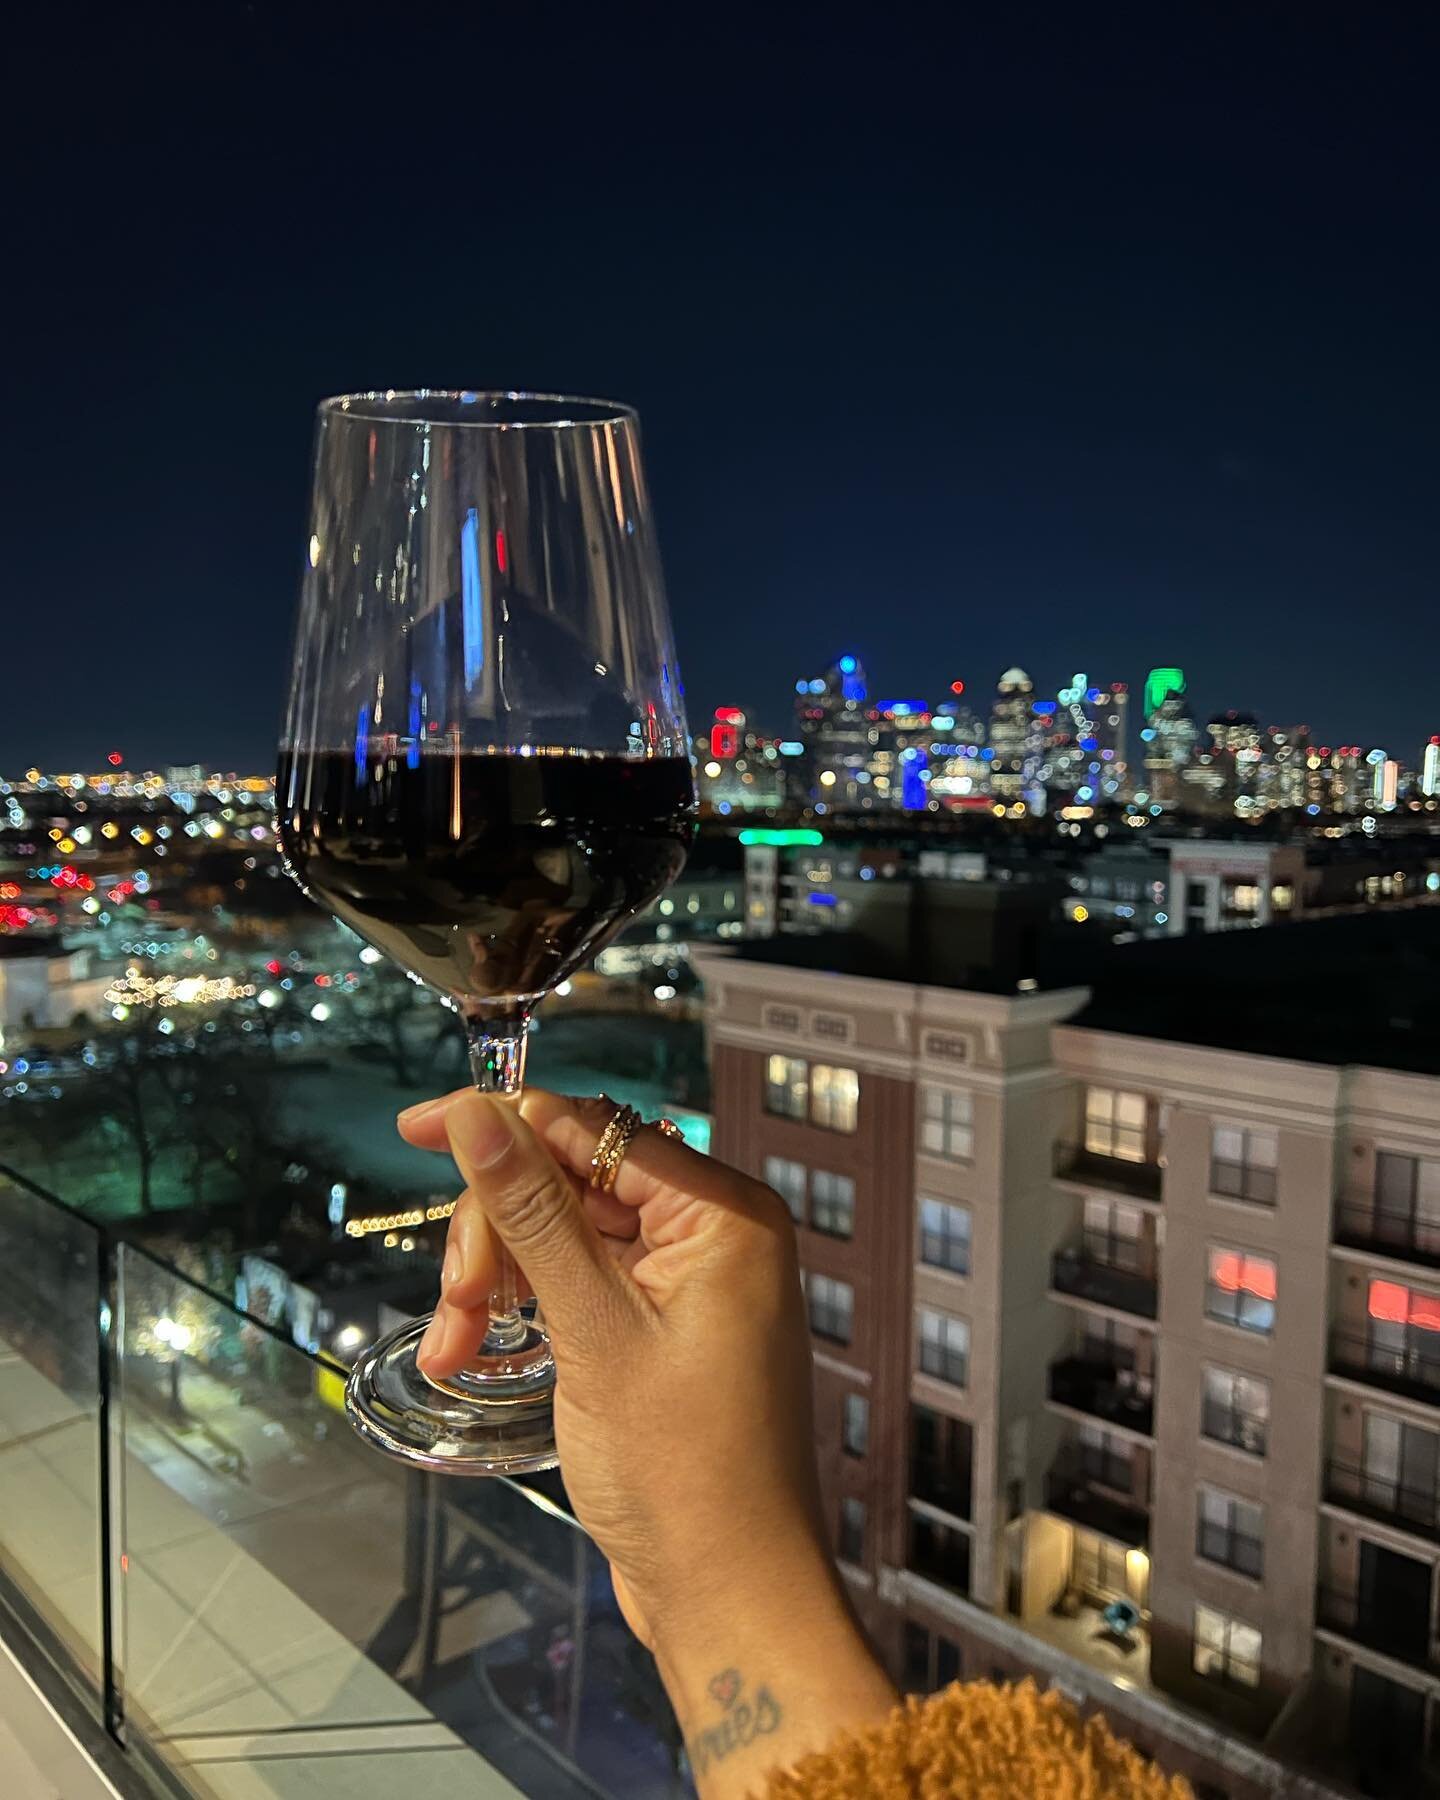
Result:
[
  {"x": 723, "y": 742},
  {"x": 1241, "y": 1290},
  {"x": 1392, "y": 1303}
]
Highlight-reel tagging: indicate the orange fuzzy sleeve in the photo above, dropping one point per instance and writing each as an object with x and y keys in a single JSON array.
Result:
[{"x": 976, "y": 1741}]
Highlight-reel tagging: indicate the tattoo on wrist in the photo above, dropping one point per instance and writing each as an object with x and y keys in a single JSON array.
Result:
[{"x": 740, "y": 1723}]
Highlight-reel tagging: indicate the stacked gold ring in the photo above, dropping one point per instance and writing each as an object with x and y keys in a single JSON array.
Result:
[{"x": 610, "y": 1151}]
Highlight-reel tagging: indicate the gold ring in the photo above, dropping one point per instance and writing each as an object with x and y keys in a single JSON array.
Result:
[
  {"x": 610, "y": 1151},
  {"x": 668, "y": 1128}
]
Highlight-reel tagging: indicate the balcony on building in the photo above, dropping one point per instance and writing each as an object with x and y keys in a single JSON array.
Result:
[
  {"x": 1080, "y": 1167},
  {"x": 1411, "y": 1370},
  {"x": 1385, "y": 1498},
  {"x": 1116, "y": 1395},
  {"x": 941, "y": 1458},
  {"x": 1401, "y": 1632},
  {"x": 1082, "y": 1275},
  {"x": 1074, "y": 1490},
  {"x": 1361, "y": 1224}
]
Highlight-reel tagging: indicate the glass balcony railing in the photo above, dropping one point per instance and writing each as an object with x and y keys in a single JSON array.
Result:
[
  {"x": 254, "y": 1604},
  {"x": 1411, "y": 1369}
]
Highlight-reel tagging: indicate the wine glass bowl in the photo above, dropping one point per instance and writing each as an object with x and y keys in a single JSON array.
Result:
[{"x": 484, "y": 768}]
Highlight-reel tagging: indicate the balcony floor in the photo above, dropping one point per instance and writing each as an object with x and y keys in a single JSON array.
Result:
[{"x": 1088, "y": 1639}]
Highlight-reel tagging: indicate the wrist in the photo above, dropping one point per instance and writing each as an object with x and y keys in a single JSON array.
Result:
[{"x": 767, "y": 1667}]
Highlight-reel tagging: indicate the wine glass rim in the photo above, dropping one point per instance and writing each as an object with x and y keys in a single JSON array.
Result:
[{"x": 408, "y": 406}]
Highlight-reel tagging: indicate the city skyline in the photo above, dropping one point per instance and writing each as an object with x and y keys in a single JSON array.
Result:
[{"x": 978, "y": 341}]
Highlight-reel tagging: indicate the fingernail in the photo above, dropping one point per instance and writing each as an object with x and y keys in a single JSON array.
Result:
[
  {"x": 418, "y": 1111},
  {"x": 432, "y": 1340},
  {"x": 479, "y": 1129},
  {"x": 454, "y": 1266}
]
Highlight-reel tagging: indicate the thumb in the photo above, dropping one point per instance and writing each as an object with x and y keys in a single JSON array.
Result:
[{"x": 532, "y": 1206}]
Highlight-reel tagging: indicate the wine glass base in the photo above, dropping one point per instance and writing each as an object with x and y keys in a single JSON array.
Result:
[{"x": 455, "y": 1427}]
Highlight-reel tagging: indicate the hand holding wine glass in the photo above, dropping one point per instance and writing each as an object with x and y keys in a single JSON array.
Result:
[{"x": 484, "y": 771}]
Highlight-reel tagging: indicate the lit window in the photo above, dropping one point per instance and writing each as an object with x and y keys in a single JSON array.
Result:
[
  {"x": 855, "y": 1425},
  {"x": 945, "y": 1236},
  {"x": 1235, "y": 1409},
  {"x": 786, "y": 1086},
  {"x": 834, "y": 1098},
  {"x": 1282, "y": 896},
  {"x": 1226, "y": 1650},
  {"x": 788, "y": 1180},
  {"x": 1243, "y": 897},
  {"x": 1242, "y": 1163},
  {"x": 851, "y": 1547},
  {"x": 944, "y": 1346},
  {"x": 1229, "y": 1530},
  {"x": 832, "y": 1308},
  {"x": 1115, "y": 1124},
  {"x": 947, "y": 1123},
  {"x": 1240, "y": 1290},
  {"x": 832, "y": 1203},
  {"x": 1404, "y": 1335}
]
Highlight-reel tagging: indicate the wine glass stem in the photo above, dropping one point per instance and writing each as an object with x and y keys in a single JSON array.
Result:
[{"x": 497, "y": 1067}]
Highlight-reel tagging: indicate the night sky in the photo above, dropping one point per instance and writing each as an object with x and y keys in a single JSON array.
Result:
[{"x": 1082, "y": 336}]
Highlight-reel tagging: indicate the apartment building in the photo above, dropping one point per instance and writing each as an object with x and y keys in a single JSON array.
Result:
[{"x": 1125, "y": 1298}]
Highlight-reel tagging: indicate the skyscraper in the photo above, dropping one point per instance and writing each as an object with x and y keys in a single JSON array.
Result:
[
  {"x": 1016, "y": 738},
  {"x": 1170, "y": 735},
  {"x": 838, "y": 735},
  {"x": 1430, "y": 770}
]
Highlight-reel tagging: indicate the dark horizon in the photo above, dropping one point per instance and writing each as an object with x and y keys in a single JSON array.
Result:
[{"x": 1084, "y": 344}]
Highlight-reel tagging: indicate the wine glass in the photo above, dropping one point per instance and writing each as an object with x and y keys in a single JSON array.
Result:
[{"x": 484, "y": 771}]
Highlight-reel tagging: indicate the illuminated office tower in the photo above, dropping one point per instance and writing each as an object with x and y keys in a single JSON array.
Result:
[
  {"x": 1170, "y": 735},
  {"x": 1384, "y": 781},
  {"x": 835, "y": 727},
  {"x": 1016, "y": 739},
  {"x": 1430, "y": 770}
]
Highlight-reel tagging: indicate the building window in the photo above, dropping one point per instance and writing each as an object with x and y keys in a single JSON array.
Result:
[
  {"x": 1226, "y": 1650},
  {"x": 788, "y": 1180},
  {"x": 1113, "y": 1235},
  {"x": 944, "y": 1346},
  {"x": 1108, "y": 1342},
  {"x": 1242, "y": 898},
  {"x": 855, "y": 1425},
  {"x": 1235, "y": 1409},
  {"x": 834, "y": 1098},
  {"x": 1242, "y": 1164},
  {"x": 786, "y": 1086},
  {"x": 852, "y": 1530},
  {"x": 947, "y": 1123},
  {"x": 1100, "y": 1567},
  {"x": 1401, "y": 1470},
  {"x": 1407, "y": 1201},
  {"x": 945, "y": 1236},
  {"x": 832, "y": 1203},
  {"x": 1106, "y": 1460},
  {"x": 1240, "y": 1290},
  {"x": 917, "y": 1659},
  {"x": 941, "y": 1553},
  {"x": 832, "y": 1308},
  {"x": 1115, "y": 1124},
  {"x": 1229, "y": 1530},
  {"x": 1404, "y": 1332},
  {"x": 941, "y": 1460}
]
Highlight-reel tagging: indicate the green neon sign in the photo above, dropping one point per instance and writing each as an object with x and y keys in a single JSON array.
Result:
[
  {"x": 1159, "y": 683},
  {"x": 758, "y": 835}
]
